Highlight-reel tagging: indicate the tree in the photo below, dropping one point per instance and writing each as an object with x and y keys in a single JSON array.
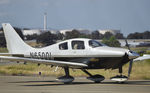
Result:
[
  {"x": 96, "y": 35},
  {"x": 107, "y": 35},
  {"x": 101, "y": 36},
  {"x": 112, "y": 41},
  {"x": 46, "y": 38},
  {"x": 73, "y": 34},
  {"x": 137, "y": 35},
  {"x": 60, "y": 36},
  {"x": 2, "y": 40},
  {"x": 31, "y": 37},
  {"x": 84, "y": 36},
  {"x": 146, "y": 35},
  {"x": 119, "y": 36}
]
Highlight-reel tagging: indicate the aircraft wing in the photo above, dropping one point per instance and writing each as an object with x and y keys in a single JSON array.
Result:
[
  {"x": 43, "y": 61},
  {"x": 144, "y": 57}
]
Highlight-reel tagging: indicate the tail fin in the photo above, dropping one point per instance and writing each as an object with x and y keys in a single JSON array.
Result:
[{"x": 15, "y": 44}]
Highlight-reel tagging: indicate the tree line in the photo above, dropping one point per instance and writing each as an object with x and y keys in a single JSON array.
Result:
[
  {"x": 137, "y": 35},
  {"x": 47, "y": 38}
]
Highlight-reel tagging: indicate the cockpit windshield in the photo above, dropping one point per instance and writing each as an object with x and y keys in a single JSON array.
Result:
[{"x": 94, "y": 43}]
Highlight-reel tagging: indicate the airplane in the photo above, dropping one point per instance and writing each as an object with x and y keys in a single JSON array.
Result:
[{"x": 77, "y": 53}]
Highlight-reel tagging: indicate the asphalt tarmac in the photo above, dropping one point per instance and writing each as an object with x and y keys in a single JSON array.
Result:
[{"x": 39, "y": 84}]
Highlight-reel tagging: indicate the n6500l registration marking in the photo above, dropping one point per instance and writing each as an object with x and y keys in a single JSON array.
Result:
[{"x": 45, "y": 55}]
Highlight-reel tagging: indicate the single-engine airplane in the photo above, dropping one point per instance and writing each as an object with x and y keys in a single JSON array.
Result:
[{"x": 78, "y": 53}]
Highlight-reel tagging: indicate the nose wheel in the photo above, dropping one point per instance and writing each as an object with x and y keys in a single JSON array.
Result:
[{"x": 119, "y": 78}]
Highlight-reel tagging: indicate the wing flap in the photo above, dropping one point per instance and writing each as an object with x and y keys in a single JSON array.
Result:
[{"x": 43, "y": 61}]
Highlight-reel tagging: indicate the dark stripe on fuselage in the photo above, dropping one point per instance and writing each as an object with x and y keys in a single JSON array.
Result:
[
  {"x": 93, "y": 62},
  {"x": 99, "y": 62}
]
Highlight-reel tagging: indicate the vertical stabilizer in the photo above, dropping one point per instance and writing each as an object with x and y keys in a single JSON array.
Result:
[{"x": 15, "y": 44}]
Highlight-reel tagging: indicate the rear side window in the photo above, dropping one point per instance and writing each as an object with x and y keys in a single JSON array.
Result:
[
  {"x": 76, "y": 45},
  {"x": 63, "y": 46}
]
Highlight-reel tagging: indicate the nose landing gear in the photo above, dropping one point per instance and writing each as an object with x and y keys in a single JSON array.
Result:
[{"x": 119, "y": 78}]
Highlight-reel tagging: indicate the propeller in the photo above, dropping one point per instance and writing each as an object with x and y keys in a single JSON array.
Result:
[
  {"x": 130, "y": 68},
  {"x": 127, "y": 44},
  {"x": 131, "y": 61}
]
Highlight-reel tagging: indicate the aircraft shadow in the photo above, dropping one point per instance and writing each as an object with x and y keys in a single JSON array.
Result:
[
  {"x": 33, "y": 81},
  {"x": 60, "y": 83},
  {"x": 49, "y": 83},
  {"x": 56, "y": 83}
]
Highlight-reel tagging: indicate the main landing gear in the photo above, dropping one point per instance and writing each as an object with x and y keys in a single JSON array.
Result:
[
  {"x": 67, "y": 78},
  {"x": 96, "y": 78},
  {"x": 120, "y": 78}
]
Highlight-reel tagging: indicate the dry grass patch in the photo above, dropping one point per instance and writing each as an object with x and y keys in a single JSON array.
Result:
[
  {"x": 3, "y": 50},
  {"x": 141, "y": 70}
]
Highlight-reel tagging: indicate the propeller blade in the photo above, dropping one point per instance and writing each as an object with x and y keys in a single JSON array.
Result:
[
  {"x": 130, "y": 68},
  {"x": 127, "y": 44},
  {"x": 131, "y": 61}
]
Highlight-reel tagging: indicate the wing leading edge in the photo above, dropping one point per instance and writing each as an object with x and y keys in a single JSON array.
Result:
[{"x": 42, "y": 61}]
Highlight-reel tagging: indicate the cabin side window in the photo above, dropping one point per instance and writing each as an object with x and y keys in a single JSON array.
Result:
[
  {"x": 94, "y": 43},
  {"x": 63, "y": 46},
  {"x": 76, "y": 45}
]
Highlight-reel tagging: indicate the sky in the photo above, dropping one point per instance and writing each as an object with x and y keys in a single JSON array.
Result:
[{"x": 129, "y": 16}]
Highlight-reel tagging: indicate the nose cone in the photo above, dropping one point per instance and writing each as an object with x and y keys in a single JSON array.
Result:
[{"x": 132, "y": 55}]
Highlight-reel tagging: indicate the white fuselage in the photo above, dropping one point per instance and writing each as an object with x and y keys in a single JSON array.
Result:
[{"x": 54, "y": 50}]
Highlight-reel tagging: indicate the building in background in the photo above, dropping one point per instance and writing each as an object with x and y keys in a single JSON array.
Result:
[
  {"x": 31, "y": 32},
  {"x": 114, "y": 32},
  {"x": 64, "y": 31},
  {"x": 82, "y": 31},
  {"x": 53, "y": 31},
  {"x": 38, "y": 32}
]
